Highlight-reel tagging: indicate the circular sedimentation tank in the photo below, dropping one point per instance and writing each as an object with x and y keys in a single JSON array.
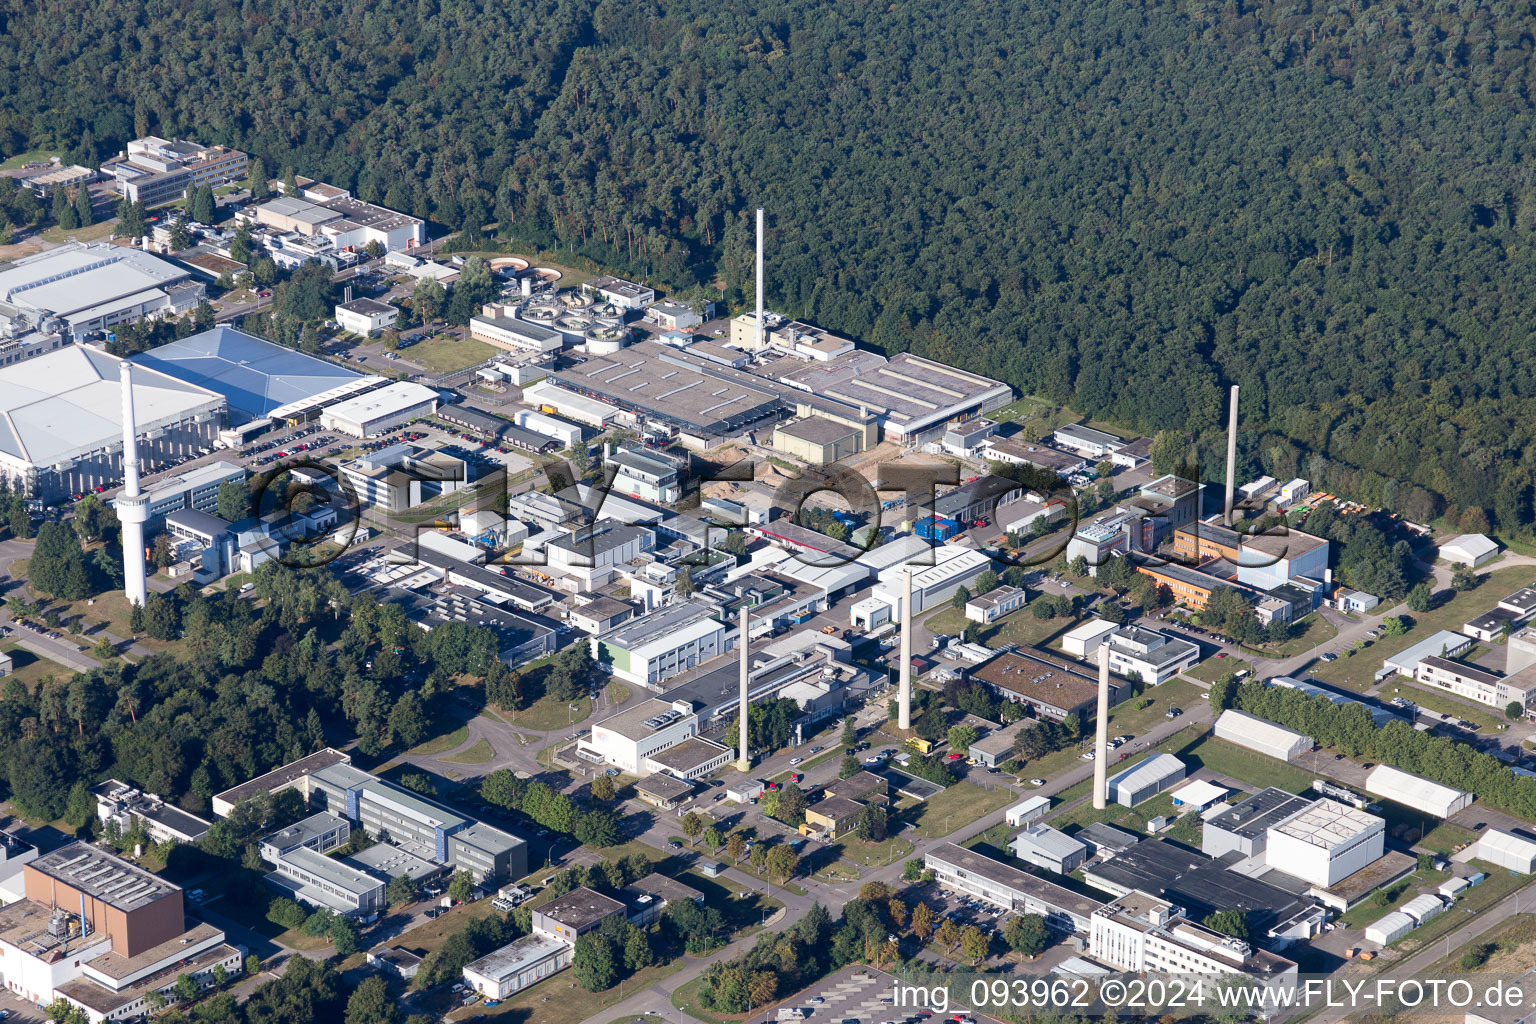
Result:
[
  {"x": 546, "y": 275},
  {"x": 543, "y": 311},
  {"x": 606, "y": 313},
  {"x": 578, "y": 300},
  {"x": 510, "y": 266},
  {"x": 605, "y": 340}
]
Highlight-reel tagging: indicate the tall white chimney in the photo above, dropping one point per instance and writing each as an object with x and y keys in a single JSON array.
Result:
[
  {"x": 743, "y": 757},
  {"x": 904, "y": 695},
  {"x": 132, "y": 507},
  {"x": 1231, "y": 456},
  {"x": 1101, "y": 734},
  {"x": 760, "y": 311}
]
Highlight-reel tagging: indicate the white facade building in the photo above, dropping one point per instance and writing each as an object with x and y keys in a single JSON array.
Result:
[
  {"x": 1142, "y": 933},
  {"x": 632, "y": 739},
  {"x": 378, "y": 412},
  {"x": 518, "y": 964},
  {"x": 1259, "y": 735},
  {"x": 1412, "y": 791},
  {"x": 1325, "y": 842},
  {"x": 1470, "y": 549},
  {"x": 1150, "y": 656},
  {"x": 366, "y": 316},
  {"x": 662, "y": 644}
]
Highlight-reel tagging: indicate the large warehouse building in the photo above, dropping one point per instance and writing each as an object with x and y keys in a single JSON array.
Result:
[
  {"x": 377, "y": 412},
  {"x": 1255, "y": 733},
  {"x": 79, "y": 289},
  {"x": 256, "y": 376},
  {"x": 1412, "y": 791},
  {"x": 1504, "y": 849},
  {"x": 1325, "y": 842},
  {"x": 61, "y": 421},
  {"x": 1146, "y": 779}
]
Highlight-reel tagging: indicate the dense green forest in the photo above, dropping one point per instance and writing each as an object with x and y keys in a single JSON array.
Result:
[{"x": 1120, "y": 206}]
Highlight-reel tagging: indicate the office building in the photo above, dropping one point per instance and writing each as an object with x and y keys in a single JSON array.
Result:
[
  {"x": 962, "y": 870},
  {"x": 624, "y": 294},
  {"x": 1145, "y": 934},
  {"x": 321, "y": 832},
  {"x": 61, "y": 427},
  {"x": 1477, "y": 684},
  {"x": 316, "y": 880},
  {"x": 499, "y": 325},
  {"x": 196, "y": 489},
  {"x": 396, "y": 478},
  {"x": 647, "y": 475},
  {"x": 366, "y": 316},
  {"x": 995, "y": 603},
  {"x": 156, "y": 171},
  {"x": 294, "y": 775},
  {"x": 1148, "y": 655},
  {"x": 1325, "y": 842}
]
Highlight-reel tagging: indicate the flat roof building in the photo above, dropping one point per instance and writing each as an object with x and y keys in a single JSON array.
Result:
[
  {"x": 1325, "y": 842},
  {"x": 661, "y": 644},
  {"x": 1052, "y": 691},
  {"x": 380, "y": 411},
  {"x": 81, "y": 288},
  {"x": 61, "y": 427},
  {"x": 963, "y": 870},
  {"x": 255, "y": 376},
  {"x": 1243, "y": 828},
  {"x": 574, "y": 914},
  {"x": 1143, "y": 933},
  {"x": 517, "y": 965},
  {"x": 1049, "y": 848}
]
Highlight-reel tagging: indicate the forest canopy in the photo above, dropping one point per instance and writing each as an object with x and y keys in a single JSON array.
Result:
[{"x": 1122, "y": 207}]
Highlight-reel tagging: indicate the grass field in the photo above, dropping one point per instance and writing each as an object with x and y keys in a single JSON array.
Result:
[
  {"x": 480, "y": 753},
  {"x": 1399, "y": 893},
  {"x": 1514, "y": 949},
  {"x": 560, "y": 1000},
  {"x": 1212, "y": 669},
  {"x": 29, "y": 669},
  {"x": 443, "y": 353},
  {"x": 1445, "y": 837},
  {"x": 618, "y": 693},
  {"x": 1355, "y": 673},
  {"x": 1227, "y": 759},
  {"x": 546, "y": 714},
  {"x": 1499, "y": 886},
  {"x": 1487, "y": 720},
  {"x": 87, "y": 234},
  {"x": 953, "y": 809},
  {"x": 440, "y": 744},
  {"x": 22, "y": 159}
]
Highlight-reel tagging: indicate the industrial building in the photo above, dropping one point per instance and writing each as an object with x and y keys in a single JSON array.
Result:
[
  {"x": 661, "y": 644},
  {"x": 1084, "y": 639},
  {"x": 995, "y": 604},
  {"x": 103, "y": 934},
  {"x": 1051, "y": 691},
  {"x": 1413, "y": 791},
  {"x": 1143, "y": 933},
  {"x": 704, "y": 401},
  {"x": 316, "y": 880},
  {"x": 394, "y": 479},
  {"x": 1470, "y": 549},
  {"x": 932, "y": 585},
  {"x": 623, "y": 294},
  {"x": 1325, "y": 842},
  {"x": 499, "y": 325},
  {"x": 321, "y": 832},
  {"x": 61, "y": 426},
  {"x": 1028, "y": 810},
  {"x": 343, "y": 223},
  {"x": 915, "y": 399},
  {"x": 196, "y": 489},
  {"x": 1503, "y": 849},
  {"x": 962, "y": 870},
  {"x": 521, "y": 638},
  {"x": 380, "y": 411},
  {"x": 818, "y": 441},
  {"x": 79, "y": 289},
  {"x": 638, "y": 740},
  {"x": 1091, "y": 443},
  {"x": 577, "y": 912},
  {"x": 1243, "y": 828},
  {"x": 256, "y": 377},
  {"x": 1146, "y": 779},
  {"x": 1259, "y": 735},
  {"x": 517, "y": 965},
  {"x": 1049, "y": 848},
  {"x": 155, "y": 171},
  {"x": 122, "y": 804},
  {"x": 647, "y": 475}
]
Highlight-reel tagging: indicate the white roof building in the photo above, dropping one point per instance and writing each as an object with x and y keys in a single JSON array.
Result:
[
  {"x": 1325, "y": 842},
  {"x": 82, "y": 288},
  {"x": 1198, "y": 795},
  {"x": 1082, "y": 640},
  {"x": 1145, "y": 779},
  {"x": 1389, "y": 929},
  {"x": 1412, "y": 791},
  {"x": 1027, "y": 810},
  {"x": 518, "y": 964},
  {"x": 378, "y": 411},
  {"x": 1504, "y": 849},
  {"x": 1260, "y": 735},
  {"x": 932, "y": 585},
  {"x": 1049, "y": 848},
  {"x": 1470, "y": 549}
]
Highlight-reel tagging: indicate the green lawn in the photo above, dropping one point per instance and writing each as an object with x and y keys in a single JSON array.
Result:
[
  {"x": 1318, "y": 630},
  {"x": 1498, "y": 887},
  {"x": 547, "y": 715},
  {"x": 1445, "y": 837},
  {"x": 443, "y": 353},
  {"x": 1488, "y": 720},
  {"x": 953, "y": 809},
  {"x": 857, "y": 851},
  {"x": 86, "y": 234},
  {"x": 1355, "y": 673},
  {"x": 29, "y": 669},
  {"x": 1212, "y": 669},
  {"x": 618, "y": 693},
  {"x": 1239, "y": 763},
  {"x": 1370, "y": 911},
  {"x": 480, "y": 753},
  {"x": 22, "y": 159},
  {"x": 440, "y": 744}
]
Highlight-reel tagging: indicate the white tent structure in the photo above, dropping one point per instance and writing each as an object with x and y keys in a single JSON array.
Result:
[
  {"x": 1259, "y": 735},
  {"x": 1504, "y": 849},
  {"x": 1413, "y": 791}
]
